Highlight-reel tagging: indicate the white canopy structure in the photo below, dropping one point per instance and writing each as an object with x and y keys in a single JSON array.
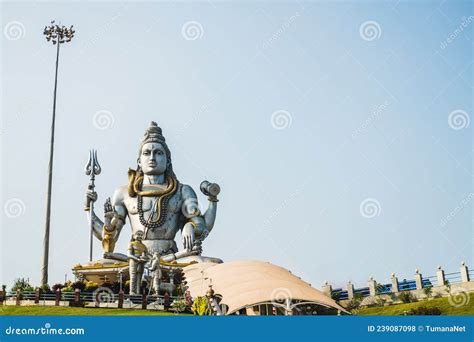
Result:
[{"x": 243, "y": 284}]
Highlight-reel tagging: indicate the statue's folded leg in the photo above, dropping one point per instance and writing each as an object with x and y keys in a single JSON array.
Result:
[{"x": 116, "y": 256}]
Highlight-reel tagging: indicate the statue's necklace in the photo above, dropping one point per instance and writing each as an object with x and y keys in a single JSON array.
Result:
[{"x": 161, "y": 204}]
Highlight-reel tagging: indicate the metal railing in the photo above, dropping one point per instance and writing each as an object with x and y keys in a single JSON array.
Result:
[
  {"x": 453, "y": 278},
  {"x": 91, "y": 297}
]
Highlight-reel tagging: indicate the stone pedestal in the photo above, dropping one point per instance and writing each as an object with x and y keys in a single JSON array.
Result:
[
  {"x": 350, "y": 290},
  {"x": 464, "y": 273},
  {"x": 327, "y": 289},
  {"x": 372, "y": 284},
  {"x": 418, "y": 280},
  {"x": 58, "y": 297},
  {"x": 440, "y": 276},
  {"x": 394, "y": 280}
]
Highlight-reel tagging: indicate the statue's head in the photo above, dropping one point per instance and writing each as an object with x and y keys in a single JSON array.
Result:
[
  {"x": 138, "y": 236},
  {"x": 154, "y": 157}
]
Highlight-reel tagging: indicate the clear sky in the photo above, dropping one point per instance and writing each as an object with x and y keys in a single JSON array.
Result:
[{"x": 339, "y": 133}]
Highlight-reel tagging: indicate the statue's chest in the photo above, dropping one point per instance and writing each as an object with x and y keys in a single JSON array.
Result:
[{"x": 148, "y": 204}]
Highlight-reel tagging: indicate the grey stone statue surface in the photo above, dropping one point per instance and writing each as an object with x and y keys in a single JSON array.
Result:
[{"x": 157, "y": 206}]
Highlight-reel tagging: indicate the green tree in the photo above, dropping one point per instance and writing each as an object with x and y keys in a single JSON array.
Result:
[{"x": 22, "y": 284}]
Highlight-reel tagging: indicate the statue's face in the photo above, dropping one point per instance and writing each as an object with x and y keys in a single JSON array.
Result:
[
  {"x": 139, "y": 236},
  {"x": 153, "y": 159}
]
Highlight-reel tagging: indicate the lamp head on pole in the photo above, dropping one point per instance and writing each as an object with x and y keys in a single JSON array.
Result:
[{"x": 58, "y": 34}]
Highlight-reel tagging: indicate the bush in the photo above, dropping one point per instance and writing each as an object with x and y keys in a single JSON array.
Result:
[
  {"x": 353, "y": 304},
  {"x": 407, "y": 297},
  {"x": 115, "y": 287},
  {"x": 22, "y": 285},
  {"x": 79, "y": 285},
  {"x": 201, "y": 306},
  {"x": 179, "y": 304},
  {"x": 91, "y": 286},
  {"x": 56, "y": 287},
  {"x": 428, "y": 291},
  {"x": 423, "y": 310},
  {"x": 67, "y": 289},
  {"x": 45, "y": 288}
]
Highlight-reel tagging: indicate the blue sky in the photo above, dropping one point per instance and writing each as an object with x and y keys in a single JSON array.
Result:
[{"x": 339, "y": 132}]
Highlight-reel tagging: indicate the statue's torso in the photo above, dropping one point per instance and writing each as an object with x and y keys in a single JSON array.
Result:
[{"x": 173, "y": 221}]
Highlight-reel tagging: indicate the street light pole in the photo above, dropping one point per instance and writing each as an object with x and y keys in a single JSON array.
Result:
[{"x": 58, "y": 35}]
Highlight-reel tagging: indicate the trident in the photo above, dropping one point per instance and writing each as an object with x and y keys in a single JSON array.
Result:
[{"x": 92, "y": 169}]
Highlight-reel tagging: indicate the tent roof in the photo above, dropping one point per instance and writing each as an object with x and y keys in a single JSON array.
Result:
[{"x": 248, "y": 282}]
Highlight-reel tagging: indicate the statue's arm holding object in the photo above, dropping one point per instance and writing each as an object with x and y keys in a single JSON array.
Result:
[
  {"x": 198, "y": 226},
  {"x": 97, "y": 224},
  {"x": 115, "y": 213}
]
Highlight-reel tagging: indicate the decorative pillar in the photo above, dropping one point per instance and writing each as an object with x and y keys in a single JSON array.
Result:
[
  {"x": 120, "y": 299},
  {"x": 440, "y": 276},
  {"x": 372, "y": 284},
  {"x": 418, "y": 279},
  {"x": 144, "y": 300},
  {"x": 394, "y": 280},
  {"x": 350, "y": 290},
  {"x": 38, "y": 295},
  {"x": 327, "y": 289},
  {"x": 77, "y": 296},
  {"x": 167, "y": 301},
  {"x": 58, "y": 297},
  {"x": 464, "y": 273}
]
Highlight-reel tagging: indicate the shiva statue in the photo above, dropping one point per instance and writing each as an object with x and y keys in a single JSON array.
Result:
[{"x": 157, "y": 206}]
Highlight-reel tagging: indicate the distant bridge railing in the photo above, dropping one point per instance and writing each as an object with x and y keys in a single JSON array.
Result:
[{"x": 395, "y": 286}]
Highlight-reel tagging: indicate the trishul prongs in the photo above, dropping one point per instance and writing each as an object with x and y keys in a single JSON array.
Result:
[{"x": 92, "y": 167}]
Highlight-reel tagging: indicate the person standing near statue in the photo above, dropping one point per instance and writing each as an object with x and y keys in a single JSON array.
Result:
[
  {"x": 137, "y": 257},
  {"x": 155, "y": 268}
]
